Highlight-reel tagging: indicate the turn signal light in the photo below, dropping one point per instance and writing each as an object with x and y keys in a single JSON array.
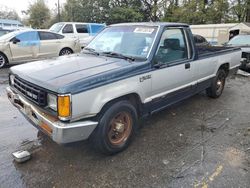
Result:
[{"x": 64, "y": 106}]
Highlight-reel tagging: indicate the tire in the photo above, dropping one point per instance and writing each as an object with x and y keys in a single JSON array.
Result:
[
  {"x": 116, "y": 128},
  {"x": 3, "y": 60},
  {"x": 217, "y": 86},
  {"x": 65, "y": 51}
]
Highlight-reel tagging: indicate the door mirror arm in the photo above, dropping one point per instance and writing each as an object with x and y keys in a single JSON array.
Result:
[
  {"x": 15, "y": 40},
  {"x": 157, "y": 65}
]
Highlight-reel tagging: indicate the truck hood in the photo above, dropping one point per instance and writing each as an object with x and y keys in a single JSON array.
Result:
[{"x": 75, "y": 73}]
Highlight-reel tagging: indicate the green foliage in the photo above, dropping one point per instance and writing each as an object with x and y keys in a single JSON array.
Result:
[
  {"x": 123, "y": 14},
  {"x": 39, "y": 14},
  {"x": 198, "y": 12},
  {"x": 103, "y": 11},
  {"x": 115, "y": 11},
  {"x": 240, "y": 8}
]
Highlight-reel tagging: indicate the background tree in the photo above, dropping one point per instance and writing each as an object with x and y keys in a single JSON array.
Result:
[
  {"x": 103, "y": 11},
  {"x": 39, "y": 14},
  {"x": 198, "y": 12},
  {"x": 248, "y": 11},
  {"x": 7, "y": 13},
  {"x": 188, "y": 11},
  {"x": 154, "y": 9},
  {"x": 239, "y": 9}
]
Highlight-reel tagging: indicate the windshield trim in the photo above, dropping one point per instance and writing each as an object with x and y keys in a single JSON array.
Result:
[
  {"x": 153, "y": 43},
  {"x": 54, "y": 27}
]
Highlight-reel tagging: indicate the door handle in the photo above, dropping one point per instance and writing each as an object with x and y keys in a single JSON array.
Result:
[{"x": 187, "y": 65}]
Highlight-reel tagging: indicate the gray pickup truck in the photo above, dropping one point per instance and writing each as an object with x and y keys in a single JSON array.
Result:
[{"x": 127, "y": 72}]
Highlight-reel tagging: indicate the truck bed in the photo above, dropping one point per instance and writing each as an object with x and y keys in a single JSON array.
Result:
[{"x": 213, "y": 50}]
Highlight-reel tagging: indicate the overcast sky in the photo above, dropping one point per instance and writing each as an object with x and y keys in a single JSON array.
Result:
[{"x": 20, "y": 5}]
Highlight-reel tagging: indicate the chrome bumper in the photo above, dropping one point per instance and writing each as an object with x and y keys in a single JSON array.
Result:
[{"x": 60, "y": 132}]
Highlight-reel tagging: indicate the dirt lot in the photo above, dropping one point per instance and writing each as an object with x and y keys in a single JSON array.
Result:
[{"x": 200, "y": 142}]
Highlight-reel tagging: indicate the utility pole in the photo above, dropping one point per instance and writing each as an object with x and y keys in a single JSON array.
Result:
[{"x": 58, "y": 11}]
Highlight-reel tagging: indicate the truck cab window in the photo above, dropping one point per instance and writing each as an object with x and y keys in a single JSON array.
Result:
[
  {"x": 68, "y": 28},
  {"x": 172, "y": 46}
]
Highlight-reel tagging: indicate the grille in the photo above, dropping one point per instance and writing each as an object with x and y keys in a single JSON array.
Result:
[
  {"x": 245, "y": 55},
  {"x": 33, "y": 93}
]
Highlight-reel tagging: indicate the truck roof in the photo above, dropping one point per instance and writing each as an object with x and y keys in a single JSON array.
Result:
[
  {"x": 152, "y": 24},
  {"x": 81, "y": 23}
]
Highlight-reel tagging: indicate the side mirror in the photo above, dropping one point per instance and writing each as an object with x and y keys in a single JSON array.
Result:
[
  {"x": 156, "y": 63},
  {"x": 15, "y": 40},
  {"x": 224, "y": 44}
]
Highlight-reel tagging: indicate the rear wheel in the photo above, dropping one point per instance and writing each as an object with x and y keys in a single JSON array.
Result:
[
  {"x": 217, "y": 86},
  {"x": 65, "y": 51},
  {"x": 116, "y": 128},
  {"x": 3, "y": 60}
]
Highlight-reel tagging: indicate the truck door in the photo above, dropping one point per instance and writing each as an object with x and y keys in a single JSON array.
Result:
[
  {"x": 25, "y": 47},
  {"x": 173, "y": 73}
]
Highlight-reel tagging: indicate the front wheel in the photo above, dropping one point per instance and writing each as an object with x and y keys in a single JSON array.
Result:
[
  {"x": 3, "y": 60},
  {"x": 217, "y": 86},
  {"x": 116, "y": 128}
]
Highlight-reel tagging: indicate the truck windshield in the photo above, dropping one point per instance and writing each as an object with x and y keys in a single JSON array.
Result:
[
  {"x": 132, "y": 41},
  {"x": 240, "y": 40},
  {"x": 56, "y": 27}
]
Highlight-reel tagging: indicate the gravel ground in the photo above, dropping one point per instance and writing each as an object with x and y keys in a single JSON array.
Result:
[{"x": 200, "y": 142}]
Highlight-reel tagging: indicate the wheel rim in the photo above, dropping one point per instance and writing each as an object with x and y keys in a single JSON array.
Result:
[
  {"x": 120, "y": 128},
  {"x": 220, "y": 84},
  {"x": 65, "y": 52},
  {"x": 2, "y": 61}
]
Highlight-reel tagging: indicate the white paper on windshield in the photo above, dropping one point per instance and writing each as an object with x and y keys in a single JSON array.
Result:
[{"x": 144, "y": 30}]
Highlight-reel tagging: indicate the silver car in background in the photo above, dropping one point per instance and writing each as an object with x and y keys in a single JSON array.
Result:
[
  {"x": 242, "y": 41},
  {"x": 30, "y": 45}
]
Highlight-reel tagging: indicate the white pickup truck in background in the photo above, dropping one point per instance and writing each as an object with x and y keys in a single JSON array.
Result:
[{"x": 83, "y": 31}]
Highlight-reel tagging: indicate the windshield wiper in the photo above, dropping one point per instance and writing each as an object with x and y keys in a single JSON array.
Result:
[
  {"x": 118, "y": 55},
  {"x": 92, "y": 50}
]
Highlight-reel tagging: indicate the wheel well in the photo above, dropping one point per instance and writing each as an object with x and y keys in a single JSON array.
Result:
[
  {"x": 68, "y": 48},
  {"x": 133, "y": 98},
  {"x": 225, "y": 67},
  {"x": 5, "y": 56}
]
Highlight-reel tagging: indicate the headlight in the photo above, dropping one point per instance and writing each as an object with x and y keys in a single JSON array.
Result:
[
  {"x": 52, "y": 101},
  {"x": 12, "y": 78},
  {"x": 64, "y": 106}
]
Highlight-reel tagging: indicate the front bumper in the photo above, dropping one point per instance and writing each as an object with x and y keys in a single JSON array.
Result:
[{"x": 60, "y": 132}]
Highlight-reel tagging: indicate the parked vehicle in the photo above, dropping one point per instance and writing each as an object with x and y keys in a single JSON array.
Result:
[
  {"x": 242, "y": 41},
  {"x": 84, "y": 31},
  {"x": 128, "y": 71},
  {"x": 4, "y": 31},
  {"x": 28, "y": 45},
  {"x": 200, "y": 41}
]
